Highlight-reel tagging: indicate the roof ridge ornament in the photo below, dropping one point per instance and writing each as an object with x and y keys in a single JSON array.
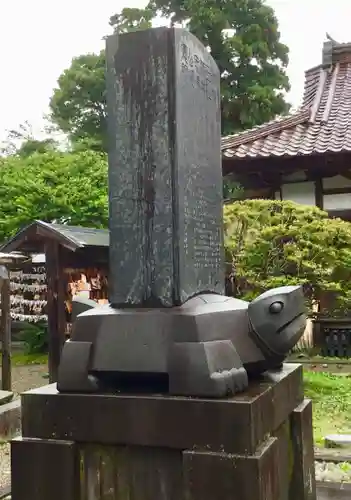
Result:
[
  {"x": 328, "y": 46},
  {"x": 327, "y": 53},
  {"x": 331, "y": 39}
]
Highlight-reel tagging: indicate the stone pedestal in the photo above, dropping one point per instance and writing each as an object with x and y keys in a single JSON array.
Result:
[{"x": 257, "y": 445}]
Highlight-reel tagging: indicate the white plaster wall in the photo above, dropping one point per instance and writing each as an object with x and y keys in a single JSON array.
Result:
[
  {"x": 338, "y": 181},
  {"x": 300, "y": 192},
  {"x": 337, "y": 201},
  {"x": 300, "y": 175}
]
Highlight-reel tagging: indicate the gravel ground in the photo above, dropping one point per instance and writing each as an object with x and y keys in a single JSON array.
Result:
[
  {"x": 28, "y": 377},
  {"x": 336, "y": 473},
  {"x": 23, "y": 379},
  {"x": 5, "y": 465}
]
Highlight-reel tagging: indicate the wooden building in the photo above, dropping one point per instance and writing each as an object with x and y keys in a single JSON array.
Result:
[
  {"x": 76, "y": 262},
  {"x": 304, "y": 157}
]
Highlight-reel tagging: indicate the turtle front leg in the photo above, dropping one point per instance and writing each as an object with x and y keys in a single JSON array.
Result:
[{"x": 207, "y": 369}]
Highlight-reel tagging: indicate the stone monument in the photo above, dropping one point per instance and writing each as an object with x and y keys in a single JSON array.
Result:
[
  {"x": 120, "y": 423},
  {"x": 165, "y": 174},
  {"x": 168, "y": 323}
]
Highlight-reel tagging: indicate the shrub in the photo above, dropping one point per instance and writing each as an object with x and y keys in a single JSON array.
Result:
[
  {"x": 35, "y": 338},
  {"x": 272, "y": 243}
]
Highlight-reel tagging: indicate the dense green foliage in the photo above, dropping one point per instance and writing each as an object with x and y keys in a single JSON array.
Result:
[
  {"x": 53, "y": 186},
  {"x": 78, "y": 104},
  {"x": 23, "y": 142},
  {"x": 32, "y": 146},
  {"x": 272, "y": 244},
  {"x": 331, "y": 397},
  {"x": 245, "y": 42},
  {"x": 132, "y": 19},
  {"x": 268, "y": 243},
  {"x": 232, "y": 190},
  {"x": 243, "y": 38},
  {"x": 35, "y": 338}
]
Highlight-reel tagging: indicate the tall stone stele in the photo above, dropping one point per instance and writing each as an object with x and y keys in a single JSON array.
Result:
[
  {"x": 165, "y": 175},
  {"x": 168, "y": 318}
]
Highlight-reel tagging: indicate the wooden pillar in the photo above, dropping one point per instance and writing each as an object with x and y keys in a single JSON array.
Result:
[
  {"x": 5, "y": 330},
  {"x": 319, "y": 192},
  {"x": 55, "y": 306}
]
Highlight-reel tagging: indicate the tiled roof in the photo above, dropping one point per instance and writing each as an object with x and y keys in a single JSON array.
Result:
[
  {"x": 322, "y": 124},
  {"x": 72, "y": 237},
  {"x": 82, "y": 236}
]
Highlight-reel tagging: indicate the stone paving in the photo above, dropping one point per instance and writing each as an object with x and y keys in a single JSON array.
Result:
[{"x": 335, "y": 473}]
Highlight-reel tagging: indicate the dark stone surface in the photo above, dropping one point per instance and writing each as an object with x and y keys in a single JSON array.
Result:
[
  {"x": 74, "y": 371},
  {"x": 141, "y": 473},
  {"x": 165, "y": 176},
  {"x": 210, "y": 476},
  {"x": 303, "y": 482},
  {"x": 80, "y": 305},
  {"x": 234, "y": 425},
  {"x": 206, "y": 347},
  {"x": 131, "y": 473},
  {"x": 167, "y": 316},
  {"x": 189, "y": 346},
  {"x": 10, "y": 419},
  {"x": 286, "y": 396},
  {"x": 284, "y": 468},
  {"x": 44, "y": 470},
  {"x": 278, "y": 319},
  {"x": 111, "y": 447}
]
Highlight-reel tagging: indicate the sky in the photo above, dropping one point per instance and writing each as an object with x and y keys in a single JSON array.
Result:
[{"x": 38, "y": 39}]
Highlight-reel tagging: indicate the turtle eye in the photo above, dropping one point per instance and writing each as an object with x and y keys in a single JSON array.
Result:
[{"x": 276, "y": 307}]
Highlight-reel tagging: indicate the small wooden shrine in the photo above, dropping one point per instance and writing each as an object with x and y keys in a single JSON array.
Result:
[
  {"x": 76, "y": 263},
  {"x": 304, "y": 157}
]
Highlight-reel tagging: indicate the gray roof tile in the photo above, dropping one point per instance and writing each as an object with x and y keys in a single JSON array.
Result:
[{"x": 321, "y": 125}]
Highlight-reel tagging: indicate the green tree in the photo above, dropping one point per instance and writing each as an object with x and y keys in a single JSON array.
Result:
[
  {"x": 232, "y": 190},
  {"x": 243, "y": 38},
  {"x": 271, "y": 243},
  {"x": 31, "y": 146},
  {"x": 132, "y": 19},
  {"x": 78, "y": 104},
  {"x": 245, "y": 42},
  {"x": 53, "y": 186},
  {"x": 22, "y": 142}
]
